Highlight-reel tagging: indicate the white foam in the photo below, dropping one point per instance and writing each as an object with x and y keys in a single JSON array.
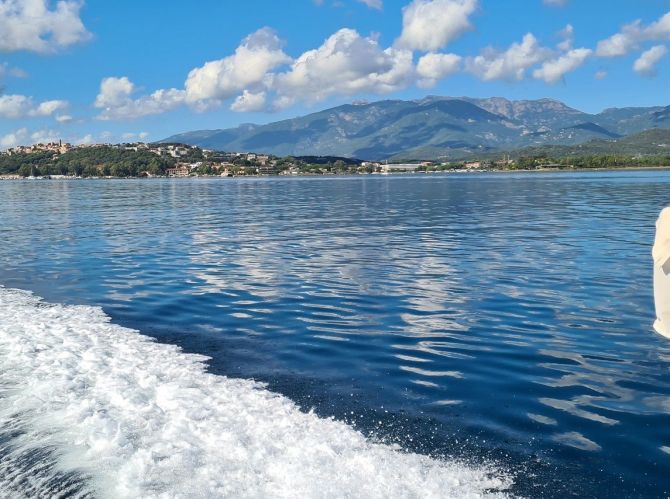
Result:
[{"x": 135, "y": 418}]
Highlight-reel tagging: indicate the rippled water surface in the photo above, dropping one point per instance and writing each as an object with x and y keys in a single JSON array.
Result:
[{"x": 498, "y": 318}]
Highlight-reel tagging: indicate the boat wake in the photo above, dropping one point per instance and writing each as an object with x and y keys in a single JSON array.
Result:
[{"x": 92, "y": 409}]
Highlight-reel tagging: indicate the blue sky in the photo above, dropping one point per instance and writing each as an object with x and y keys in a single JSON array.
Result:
[{"x": 108, "y": 71}]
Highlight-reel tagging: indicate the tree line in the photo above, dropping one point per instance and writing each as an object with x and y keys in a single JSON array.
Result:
[
  {"x": 589, "y": 161},
  {"x": 86, "y": 162}
]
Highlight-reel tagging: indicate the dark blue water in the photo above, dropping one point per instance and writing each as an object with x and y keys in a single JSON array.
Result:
[{"x": 504, "y": 318}]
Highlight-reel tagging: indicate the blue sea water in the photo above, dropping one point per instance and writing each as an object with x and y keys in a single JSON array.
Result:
[{"x": 499, "y": 318}]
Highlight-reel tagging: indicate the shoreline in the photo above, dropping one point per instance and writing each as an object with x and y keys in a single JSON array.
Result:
[{"x": 12, "y": 177}]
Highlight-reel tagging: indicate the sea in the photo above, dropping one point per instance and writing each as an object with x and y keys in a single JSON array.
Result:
[{"x": 423, "y": 335}]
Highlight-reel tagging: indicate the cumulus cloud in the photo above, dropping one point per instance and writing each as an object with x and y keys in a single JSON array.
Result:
[
  {"x": 510, "y": 64},
  {"x": 21, "y": 106},
  {"x": 429, "y": 25},
  {"x": 23, "y": 137},
  {"x": 86, "y": 139},
  {"x": 44, "y": 136},
  {"x": 246, "y": 71},
  {"x": 247, "y": 68},
  {"x": 554, "y": 70},
  {"x": 433, "y": 67},
  {"x": 259, "y": 76},
  {"x": 567, "y": 36},
  {"x": 34, "y": 26},
  {"x": 126, "y": 136},
  {"x": 47, "y": 108},
  {"x": 64, "y": 118},
  {"x": 632, "y": 35},
  {"x": 248, "y": 102},
  {"x": 116, "y": 100},
  {"x": 646, "y": 63},
  {"x": 114, "y": 92},
  {"x": 15, "y": 106},
  {"x": 345, "y": 64},
  {"x": 14, "y": 139}
]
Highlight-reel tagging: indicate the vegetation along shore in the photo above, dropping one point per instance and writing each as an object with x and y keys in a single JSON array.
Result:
[{"x": 58, "y": 160}]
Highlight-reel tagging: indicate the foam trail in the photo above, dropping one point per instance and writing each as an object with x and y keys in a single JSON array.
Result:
[{"x": 89, "y": 408}]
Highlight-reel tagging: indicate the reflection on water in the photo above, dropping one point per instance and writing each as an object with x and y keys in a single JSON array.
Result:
[{"x": 505, "y": 314}]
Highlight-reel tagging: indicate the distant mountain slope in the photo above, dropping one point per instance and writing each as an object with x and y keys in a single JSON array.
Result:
[
  {"x": 589, "y": 126},
  {"x": 650, "y": 142},
  {"x": 434, "y": 127}
]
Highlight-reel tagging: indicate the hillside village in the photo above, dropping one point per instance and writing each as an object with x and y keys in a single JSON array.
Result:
[{"x": 180, "y": 160}]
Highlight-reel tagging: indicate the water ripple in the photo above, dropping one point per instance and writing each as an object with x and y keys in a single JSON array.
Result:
[{"x": 502, "y": 316}]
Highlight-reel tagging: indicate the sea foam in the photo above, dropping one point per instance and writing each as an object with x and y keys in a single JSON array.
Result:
[{"x": 90, "y": 408}]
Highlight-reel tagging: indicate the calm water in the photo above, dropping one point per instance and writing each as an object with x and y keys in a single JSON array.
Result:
[{"x": 498, "y": 318}]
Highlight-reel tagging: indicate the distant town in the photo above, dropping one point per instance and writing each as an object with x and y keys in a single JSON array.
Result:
[{"x": 58, "y": 160}]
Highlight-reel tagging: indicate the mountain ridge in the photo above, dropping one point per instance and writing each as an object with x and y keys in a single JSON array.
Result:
[{"x": 431, "y": 127}]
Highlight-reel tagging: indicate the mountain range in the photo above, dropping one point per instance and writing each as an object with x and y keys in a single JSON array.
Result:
[{"x": 432, "y": 128}]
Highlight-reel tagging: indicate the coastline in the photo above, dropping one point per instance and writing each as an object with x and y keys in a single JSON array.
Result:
[{"x": 350, "y": 174}]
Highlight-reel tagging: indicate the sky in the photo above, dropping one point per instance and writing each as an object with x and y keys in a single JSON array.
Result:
[{"x": 117, "y": 71}]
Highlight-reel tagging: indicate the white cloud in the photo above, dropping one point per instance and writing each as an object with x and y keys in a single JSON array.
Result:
[
  {"x": 510, "y": 64},
  {"x": 44, "y": 136},
  {"x": 429, "y": 25},
  {"x": 646, "y": 63},
  {"x": 208, "y": 86},
  {"x": 620, "y": 43},
  {"x": 32, "y": 25},
  {"x": 600, "y": 75},
  {"x": 114, "y": 92},
  {"x": 373, "y": 4},
  {"x": 632, "y": 35},
  {"x": 64, "y": 118},
  {"x": 14, "y": 138},
  {"x": 47, "y": 108},
  {"x": 248, "y": 102},
  {"x": 345, "y": 64},
  {"x": 259, "y": 76},
  {"x": 23, "y": 137},
  {"x": 433, "y": 67},
  {"x": 14, "y": 106},
  {"x": 567, "y": 35},
  {"x": 556, "y": 3},
  {"x": 86, "y": 139},
  {"x": 248, "y": 67},
  {"x": 116, "y": 101},
  {"x": 554, "y": 70},
  {"x": 129, "y": 136},
  {"x": 21, "y": 106}
]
